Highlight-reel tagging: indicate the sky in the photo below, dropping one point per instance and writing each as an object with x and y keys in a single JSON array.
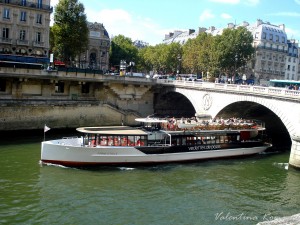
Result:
[{"x": 150, "y": 20}]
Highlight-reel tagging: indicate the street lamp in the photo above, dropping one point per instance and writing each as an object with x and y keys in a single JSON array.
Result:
[
  {"x": 179, "y": 64},
  {"x": 131, "y": 64},
  {"x": 234, "y": 72}
]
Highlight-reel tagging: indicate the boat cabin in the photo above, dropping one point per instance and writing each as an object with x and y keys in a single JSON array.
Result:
[{"x": 113, "y": 136}]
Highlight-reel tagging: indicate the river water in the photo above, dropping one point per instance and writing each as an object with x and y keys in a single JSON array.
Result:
[{"x": 232, "y": 191}]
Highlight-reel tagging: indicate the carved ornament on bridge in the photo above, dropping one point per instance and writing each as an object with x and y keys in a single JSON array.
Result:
[{"x": 207, "y": 102}]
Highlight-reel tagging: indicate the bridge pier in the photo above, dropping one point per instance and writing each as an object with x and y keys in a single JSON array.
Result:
[{"x": 295, "y": 152}]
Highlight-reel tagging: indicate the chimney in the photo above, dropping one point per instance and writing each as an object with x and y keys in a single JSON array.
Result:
[
  {"x": 191, "y": 31},
  {"x": 282, "y": 26}
]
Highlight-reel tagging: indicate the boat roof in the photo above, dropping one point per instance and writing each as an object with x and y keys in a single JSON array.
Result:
[
  {"x": 151, "y": 120},
  {"x": 112, "y": 130},
  {"x": 206, "y": 132}
]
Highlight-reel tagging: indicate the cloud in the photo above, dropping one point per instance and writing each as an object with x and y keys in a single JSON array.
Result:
[
  {"x": 119, "y": 21},
  {"x": 206, "y": 15},
  {"x": 297, "y": 1},
  {"x": 136, "y": 27},
  {"x": 225, "y": 16}
]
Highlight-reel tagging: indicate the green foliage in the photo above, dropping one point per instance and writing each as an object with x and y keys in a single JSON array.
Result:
[
  {"x": 206, "y": 53},
  {"x": 70, "y": 30},
  {"x": 234, "y": 48},
  {"x": 122, "y": 48},
  {"x": 215, "y": 54},
  {"x": 161, "y": 58}
]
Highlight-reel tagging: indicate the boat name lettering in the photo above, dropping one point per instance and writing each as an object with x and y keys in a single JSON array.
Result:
[{"x": 207, "y": 147}]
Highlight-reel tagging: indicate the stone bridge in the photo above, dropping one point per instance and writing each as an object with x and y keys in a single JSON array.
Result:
[{"x": 278, "y": 107}]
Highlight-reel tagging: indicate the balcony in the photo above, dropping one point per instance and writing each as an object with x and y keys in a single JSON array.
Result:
[
  {"x": 272, "y": 49},
  {"x": 38, "y": 44},
  {"x": 22, "y": 42},
  {"x": 29, "y": 5},
  {"x": 5, "y": 40}
]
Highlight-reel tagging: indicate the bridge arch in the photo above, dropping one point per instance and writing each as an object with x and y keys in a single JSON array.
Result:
[{"x": 278, "y": 119}]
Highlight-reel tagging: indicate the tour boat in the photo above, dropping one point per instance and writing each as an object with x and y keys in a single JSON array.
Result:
[{"x": 156, "y": 141}]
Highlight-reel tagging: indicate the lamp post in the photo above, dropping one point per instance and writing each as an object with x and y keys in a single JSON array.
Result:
[
  {"x": 131, "y": 64},
  {"x": 179, "y": 64},
  {"x": 234, "y": 72}
]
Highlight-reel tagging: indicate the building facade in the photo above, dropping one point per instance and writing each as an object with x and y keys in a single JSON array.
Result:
[
  {"x": 275, "y": 56},
  {"x": 292, "y": 61},
  {"x": 97, "y": 54},
  {"x": 25, "y": 30}
]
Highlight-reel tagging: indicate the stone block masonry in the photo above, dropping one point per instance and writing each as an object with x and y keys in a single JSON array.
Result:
[{"x": 69, "y": 116}]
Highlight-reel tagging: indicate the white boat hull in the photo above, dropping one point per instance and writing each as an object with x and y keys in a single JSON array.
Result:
[{"x": 74, "y": 154}]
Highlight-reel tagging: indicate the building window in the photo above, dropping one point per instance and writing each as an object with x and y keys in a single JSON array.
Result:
[
  {"x": 38, "y": 37},
  {"x": 2, "y": 85},
  {"x": 39, "y": 18},
  {"x": 256, "y": 35},
  {"x": 85, "y": 88},
  {"x": 7, "y": 1},
  {"x": 23, "y": 16},
  {"x": 264, "y": 35},
  {"x": 40, "y": 4},
  {"x": 282, "y": 39},
  {"x": 277, "y": 38},
  {"x": 23, "y": 3},
  {"x": 6, "y": 13},
  {"x": 59, "y": 87},
  {"x": 271, "y": 36},
  {"x": 289, "y": 68},
  {"x": 5, "y": 33},
  {"x": 22, "y": 35}
]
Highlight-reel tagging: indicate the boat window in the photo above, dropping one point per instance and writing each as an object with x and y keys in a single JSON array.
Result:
[
  {"x": 222, "y": 139},
  {"x": 131, "y": 141},
  {"x": 117, "y": 140},
  {"x": 232, "y": 138},
  {"x": 142, "y": 141},
  {"x": 103, "y": 140},
  {"x": 178, "y": 141},
  {"x": 183, "y": 140},
  {"x": 190, "y": 140},
  {"x": 199, "y": 141},
  {"x": 124, "y": 140}
]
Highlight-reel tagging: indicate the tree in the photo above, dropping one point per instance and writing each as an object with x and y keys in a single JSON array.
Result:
[
  {"x": 70, "y": 30},
  {"x": 234, "y": 49},
  {"x": 122, "y": 48}
]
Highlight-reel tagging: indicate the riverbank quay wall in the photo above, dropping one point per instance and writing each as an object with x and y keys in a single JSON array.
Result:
[{"x": 31, "y": 98}]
